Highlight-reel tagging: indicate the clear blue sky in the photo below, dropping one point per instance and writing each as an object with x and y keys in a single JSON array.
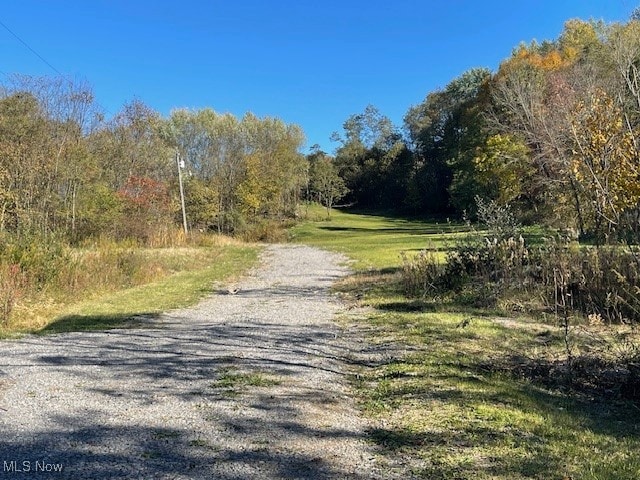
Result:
[{"x": 313, "y": 63}]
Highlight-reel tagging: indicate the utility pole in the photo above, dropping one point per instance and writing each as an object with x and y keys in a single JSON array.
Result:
[{"x": 180, "y": 164}]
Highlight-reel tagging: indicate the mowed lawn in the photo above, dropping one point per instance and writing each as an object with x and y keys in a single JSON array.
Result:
[
  {"x": 439, "y": 407},
  {"x": 374, "y": 241}
]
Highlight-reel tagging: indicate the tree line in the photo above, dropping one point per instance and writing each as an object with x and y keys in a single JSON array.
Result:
[
  {"x": 554, "y": 133},
  {"x": 66, "y": 170}
]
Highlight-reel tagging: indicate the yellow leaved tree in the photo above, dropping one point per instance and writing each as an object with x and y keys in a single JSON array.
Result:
[{"x": 605, "y": 158}]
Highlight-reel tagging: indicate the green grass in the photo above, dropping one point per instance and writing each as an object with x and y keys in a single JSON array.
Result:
[
  {"x": 195, "y": 271},
  {"x": 374, "y": 241},
  {"x": 232, "y": 382},
  {"x": 450, "y": 417},
  {"x": 440, "y": 409}
]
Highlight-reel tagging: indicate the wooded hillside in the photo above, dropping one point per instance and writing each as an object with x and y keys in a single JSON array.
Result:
[{"x": 554, "y": 133}]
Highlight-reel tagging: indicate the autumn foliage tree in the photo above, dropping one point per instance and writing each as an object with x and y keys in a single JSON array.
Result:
[
  {"x": 146, "y": 207},
  {"x": 605, "y": 162},
  {"x": 553, "y": 133},
  {"x": 66, "y": 170}
]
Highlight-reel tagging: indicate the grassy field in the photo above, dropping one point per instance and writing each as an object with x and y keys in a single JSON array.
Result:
[
  {"x": 179, "y": 278},
  {"x": 440, "y": 408},
  {"x": 373, "y": 241}
]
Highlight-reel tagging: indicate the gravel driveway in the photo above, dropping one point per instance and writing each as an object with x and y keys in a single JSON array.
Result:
[{"x": 243, "y": 386}]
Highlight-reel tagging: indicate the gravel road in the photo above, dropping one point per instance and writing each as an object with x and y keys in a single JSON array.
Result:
[{"x": 248, "y": 385}]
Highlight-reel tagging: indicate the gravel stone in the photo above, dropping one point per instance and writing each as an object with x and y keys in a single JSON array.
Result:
[{"x": 249, "y": 384}]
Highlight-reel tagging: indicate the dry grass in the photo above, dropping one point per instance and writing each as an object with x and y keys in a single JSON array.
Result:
[{"x": 94, "y": 272}]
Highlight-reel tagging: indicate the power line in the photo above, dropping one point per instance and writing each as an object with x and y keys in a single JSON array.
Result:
[{"x": 31, "y": 49}]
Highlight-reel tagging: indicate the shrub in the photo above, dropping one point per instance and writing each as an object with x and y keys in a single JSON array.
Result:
[
  {"x": 485, "y": 266},
  {"x": 146, "y": 208},
  {"x": 265, "y": 230},
  {"x": 40, "y": 258},
  {"x": 499, "y": 219},
  {"x": 603, "y": 280}
]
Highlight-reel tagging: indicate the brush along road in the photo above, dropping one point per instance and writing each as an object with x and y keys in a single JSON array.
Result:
[{"x": 249, "y": 384}]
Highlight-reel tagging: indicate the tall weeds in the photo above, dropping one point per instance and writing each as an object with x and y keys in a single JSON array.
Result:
[
  {"x": 11, "y": 289},
  {"x": 36, "y": 269},
  {"x": 421, "y": 274},
  {"x": 590, "y": 280},
  {"x": 593, "y": 292}
]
